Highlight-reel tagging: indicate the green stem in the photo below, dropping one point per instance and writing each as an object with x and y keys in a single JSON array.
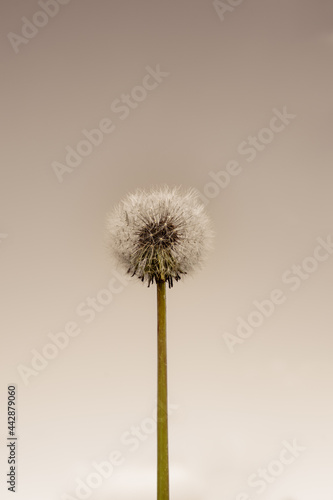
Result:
[{"x": 162, "y": 397}]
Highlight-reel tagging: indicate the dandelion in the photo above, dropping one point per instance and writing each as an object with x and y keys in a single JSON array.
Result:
[{"x": 159, "y": 236}]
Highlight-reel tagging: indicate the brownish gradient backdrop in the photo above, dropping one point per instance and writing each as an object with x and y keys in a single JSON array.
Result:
[{"x": 216, "y": 82}]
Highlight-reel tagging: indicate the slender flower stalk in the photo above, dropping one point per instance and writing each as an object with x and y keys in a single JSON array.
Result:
[
  {"x": 162, "y": 397},
  {"x": 159, "y": 236}
]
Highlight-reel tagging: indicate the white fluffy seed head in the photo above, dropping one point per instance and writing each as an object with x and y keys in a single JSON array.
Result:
[{"x": 160, "y": 234}]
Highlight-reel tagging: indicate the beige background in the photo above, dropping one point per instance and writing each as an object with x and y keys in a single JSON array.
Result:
[{"x": 232, "y": 411}]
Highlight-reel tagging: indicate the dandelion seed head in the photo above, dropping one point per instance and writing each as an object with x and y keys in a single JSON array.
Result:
[{"x": 159, "y": 235}]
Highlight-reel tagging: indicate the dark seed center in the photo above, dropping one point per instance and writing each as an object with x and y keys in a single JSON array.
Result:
[{"x": 161, "y": 234}]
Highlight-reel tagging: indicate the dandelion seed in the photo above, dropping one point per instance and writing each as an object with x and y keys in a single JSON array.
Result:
[{"x": 159, "y": 235}]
